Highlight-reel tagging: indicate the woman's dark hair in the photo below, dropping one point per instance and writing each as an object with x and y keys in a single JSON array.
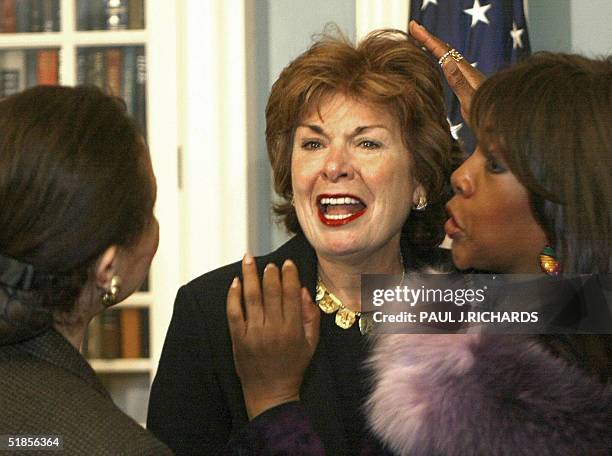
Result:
[
  {"x": 550, "y": 116},
  {"x": 74, "y": 180},
  {"x": 385, "y": 69}
]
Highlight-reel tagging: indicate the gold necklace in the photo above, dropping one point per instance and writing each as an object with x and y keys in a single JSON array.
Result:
[{"x": 345, "y": 317}]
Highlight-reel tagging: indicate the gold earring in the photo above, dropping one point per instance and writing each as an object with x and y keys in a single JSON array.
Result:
[
  {"x": 422, "y": 204},
  {"x": 110, "y": 297}
]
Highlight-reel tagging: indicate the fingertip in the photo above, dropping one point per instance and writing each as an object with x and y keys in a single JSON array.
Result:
[
  {"x": 235, "y": 283},
  {"x": 288, "y": 263},
  {"x": 248, "y": 258}
]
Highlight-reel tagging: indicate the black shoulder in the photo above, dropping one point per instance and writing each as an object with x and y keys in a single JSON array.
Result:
[{"x": 296, "y": 249}]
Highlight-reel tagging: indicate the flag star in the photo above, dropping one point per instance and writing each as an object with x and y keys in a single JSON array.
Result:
[
  {"x": 454, "y": 129},
  {"x": 516, "y": 34},
  {"x": 427, "y": 2},
  {"x": 478, "y": 13}
]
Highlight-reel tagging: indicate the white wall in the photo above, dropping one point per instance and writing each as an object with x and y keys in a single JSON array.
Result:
[{"x": 581, "y": 26}]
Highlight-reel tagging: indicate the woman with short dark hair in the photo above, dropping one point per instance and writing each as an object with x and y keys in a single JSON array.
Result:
[{"x": 77, "y": 235}]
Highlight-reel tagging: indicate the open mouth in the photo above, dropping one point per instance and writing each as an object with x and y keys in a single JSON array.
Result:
[{"x": 339, "y": 209}]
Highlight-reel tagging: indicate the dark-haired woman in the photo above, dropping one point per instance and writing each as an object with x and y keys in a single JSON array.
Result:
[
  {"x": 77, "y": 235},
  {"x": 534, "y": 198},
  {"x": 358, "y": 141}
]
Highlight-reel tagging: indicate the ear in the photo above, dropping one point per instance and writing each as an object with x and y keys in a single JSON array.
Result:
[
  {"x": 106, "y": 267},
  {"x": 418, "y": 194}
]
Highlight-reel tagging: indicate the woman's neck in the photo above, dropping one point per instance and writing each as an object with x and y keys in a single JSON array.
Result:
[
  {"x": 73, "y": 325},
  {"x": 74, "y": 333},
  {"x": 342, "y": 276}
]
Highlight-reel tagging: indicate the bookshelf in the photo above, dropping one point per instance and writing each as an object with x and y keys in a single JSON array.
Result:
[{"x": 123, "y": 47}]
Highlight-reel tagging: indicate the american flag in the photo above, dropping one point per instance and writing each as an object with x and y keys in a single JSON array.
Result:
[{"x": 491, "y": 34}]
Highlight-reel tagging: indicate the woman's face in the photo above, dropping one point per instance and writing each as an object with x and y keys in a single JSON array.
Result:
[
  {"x": 491, "y": 222},
  {"x": 138, "y": 257},
  {"x": 351, "y": 178}
]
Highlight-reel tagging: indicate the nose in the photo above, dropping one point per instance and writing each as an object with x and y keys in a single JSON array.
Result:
[
  {"x": 462, "y": 180},
  {"x": 338, "y": 164}
]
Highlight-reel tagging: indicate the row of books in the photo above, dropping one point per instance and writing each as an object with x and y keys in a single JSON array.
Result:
[
  {"x": 26, "y": 68},
  {"x": 110, "y": 14},
  {"x": 28, "y": 16},
  {"x": 118, "y": 333},
  {"x": 120, "y": 71}
]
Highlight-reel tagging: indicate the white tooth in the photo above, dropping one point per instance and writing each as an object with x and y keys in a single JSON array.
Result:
[
  {"x": 323, "y": 200},
  {"x": 332, "y": 201},
  {"x": 345, "y": 200},
  {"x": 354, "y": 201}
]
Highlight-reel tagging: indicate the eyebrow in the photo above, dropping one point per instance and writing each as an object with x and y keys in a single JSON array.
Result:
[{"x": 356, "y": 131}]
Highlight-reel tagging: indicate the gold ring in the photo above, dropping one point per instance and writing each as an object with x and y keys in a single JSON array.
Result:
[{"x": 452, "y": 53}]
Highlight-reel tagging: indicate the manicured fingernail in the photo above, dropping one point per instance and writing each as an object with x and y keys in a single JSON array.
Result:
[
  {"x": 235, "y": 282},
  {"x": 269, "y": 266},
  {"x": 248, "y": 258},
  {"x": 288, "y": 263}
]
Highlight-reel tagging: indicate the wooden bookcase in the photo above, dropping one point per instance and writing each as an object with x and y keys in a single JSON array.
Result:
[{"x": 64, "y": 51}]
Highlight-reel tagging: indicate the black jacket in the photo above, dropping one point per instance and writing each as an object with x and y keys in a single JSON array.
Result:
[{"x": 196, "y": 402}]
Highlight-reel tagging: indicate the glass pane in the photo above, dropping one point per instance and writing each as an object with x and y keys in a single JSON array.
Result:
[
  {"x": 110, "y": 14},
  {"x": 29, "y": 16},
  {"x": 23, "y": 68},
  {"x": 120, "y": 71}
]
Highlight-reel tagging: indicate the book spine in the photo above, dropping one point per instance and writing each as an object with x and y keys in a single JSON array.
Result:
[
  {"x": 130, "y": 333},
  {"x": 82, "y": 14},
  {"x": 95, "y": 68},
  {"x": 116, "y": 14},
  {"x": 9, "y": 16},
  {"x": 144, "y": 333},
  {"x": 81, "y": 64},
  {"x": 22, "y": 13},
  {"x": 31, "y": 68},
  {"x": 140, "y": 91},
  {"x": 10, "y": 82},
  {"x": 48, "y": 16},
  {"x": 48, "y": 67},
  {"x": 97, "y": 15},
  {"x": 136, "y": 14},
  {"x": 114, "y": 64},
  {"x": 16, "y": 60},
  {"x": 129, "y": 78},
  {"x": 111, "y": 334},
  {"x": 36, "y": 24}
]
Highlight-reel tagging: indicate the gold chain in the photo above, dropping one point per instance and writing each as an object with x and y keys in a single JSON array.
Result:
[{"x": 345, "y": 317}]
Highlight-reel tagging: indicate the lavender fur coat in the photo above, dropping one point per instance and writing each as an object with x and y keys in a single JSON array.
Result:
[{"x": 470, "y": 394}]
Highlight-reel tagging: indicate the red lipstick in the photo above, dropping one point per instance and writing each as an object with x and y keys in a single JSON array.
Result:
[{"x": 326, "y": 200}]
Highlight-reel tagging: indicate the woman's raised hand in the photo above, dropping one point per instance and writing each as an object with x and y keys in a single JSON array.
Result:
[
  {"x": 462, "y": 77},
  {"x": 274, "y": 334}
]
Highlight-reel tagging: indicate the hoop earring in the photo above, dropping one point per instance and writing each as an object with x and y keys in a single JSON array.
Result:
[
  {"x": 421, "y": 205},
  {"x": 548, "y": 261},
  {"x": 110, "y": 297}
]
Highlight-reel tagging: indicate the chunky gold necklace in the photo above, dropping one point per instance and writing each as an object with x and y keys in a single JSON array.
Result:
[{"x": 345, "y": 317}]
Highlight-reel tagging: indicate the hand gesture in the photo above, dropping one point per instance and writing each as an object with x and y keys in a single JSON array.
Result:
[
  {"x": 274, "y": 334},
  {"x": 462, "y": 77}
]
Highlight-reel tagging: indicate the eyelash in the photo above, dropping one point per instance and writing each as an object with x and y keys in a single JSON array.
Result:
[
  {"x": 371, "y": 145},
  {"x": 493, "y": 165},
  {"x": 311, "y": 145},
  {"x": 367, "y": 144}
]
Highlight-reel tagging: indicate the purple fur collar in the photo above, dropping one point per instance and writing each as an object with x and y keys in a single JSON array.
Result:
[{"x": 469, "y": 394}]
